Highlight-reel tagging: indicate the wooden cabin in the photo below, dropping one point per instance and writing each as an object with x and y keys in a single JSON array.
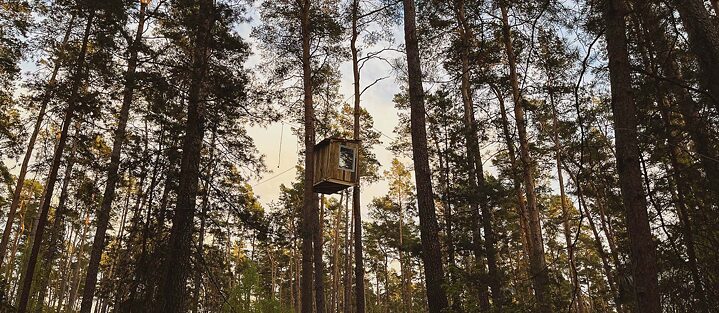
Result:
[{"x": 335, "y": 164}]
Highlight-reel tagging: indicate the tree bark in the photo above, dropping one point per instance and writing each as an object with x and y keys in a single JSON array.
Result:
[
  {"x": 16, "y": 240},
  {"x": 116, "y": 252},
  {"x": 174, "y": 294},
  {"x": 443, "y": 161},
  {"x": 103, "y": 218},
  {"x": 642, "y": 251},
  {"x": 309, "y": 207},
  {"x": 336, "y": 255},
  {"x": 479, "y": 200},
  {"x": 78, "y": 79},
  {"x": 318, "y": 249},
  {"x": 66, "y": 267},
  {"x": 141, "y": 267},
  {"x": 203, "y": 217},
  {"x": 349, "y": 225},
  {"x": 400, "y": 252},
  {"x": 681, "y": 184},
  {"x": 516, "y": 186},
  {"x": 431, "y": 252},
  {"x": 357, "y": 216},
  {"x": 538, "y": 267},
  {"x": 49, "y": 92}
]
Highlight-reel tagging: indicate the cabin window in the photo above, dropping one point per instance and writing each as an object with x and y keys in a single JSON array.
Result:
[{"x": 347, "y": 158}]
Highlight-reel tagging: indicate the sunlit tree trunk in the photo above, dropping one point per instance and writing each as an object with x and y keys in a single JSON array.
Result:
[
  {"x": 443, "y": 162},
  {"x": 431, "y": 252},
  {"x": 10, "y": 266},
  {"x": 516, "y": 186},
  {"x": 73, "y": 245},
  {"x": 537, "y": 264},
  {"x": 598, "y": 241},
  {"x": 76, "y": 270},
  {"x": 334, "y": 307}
]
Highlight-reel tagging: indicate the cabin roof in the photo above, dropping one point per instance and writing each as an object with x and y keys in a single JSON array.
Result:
[{"x": 327, "y": 141}]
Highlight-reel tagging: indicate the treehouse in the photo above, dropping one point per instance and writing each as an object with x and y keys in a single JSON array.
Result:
[{"x": 335, "y": 164}]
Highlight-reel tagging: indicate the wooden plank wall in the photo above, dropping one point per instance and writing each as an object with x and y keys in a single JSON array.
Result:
[{"x": 327, "y": 162}]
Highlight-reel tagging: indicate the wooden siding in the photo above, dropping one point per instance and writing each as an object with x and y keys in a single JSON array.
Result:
[{"x": 329, "y": 178}]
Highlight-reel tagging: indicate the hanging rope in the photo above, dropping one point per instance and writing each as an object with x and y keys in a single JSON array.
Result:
[{"x": 279, "y": 155}]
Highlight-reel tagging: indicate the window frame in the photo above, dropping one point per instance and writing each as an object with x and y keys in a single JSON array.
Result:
[{"x": 354, "y": 158}]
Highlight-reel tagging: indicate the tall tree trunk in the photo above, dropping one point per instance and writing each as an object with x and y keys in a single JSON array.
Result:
[
  {"x": 29, "y": 240},
  {"x": 538, "y": 267},
  {"x": 598, "y": 241},
  {"x": 651, "y": 29},
  {"x": 516, "y": 186},
  {"x": 402, "y": 260},
  {"x": 456, "y": 301},
  {"x": 476, "y": 173},
  {"x": 336, "y": 255},
  {"x": 576, "y": 289},
  {"x": 318, "y": 245},
  {"x": 349, "y": 225},
  {"x": 49, "y": 92},
  {"x": 203, "y": 217},
  {"x": 57, "y": 230},
  {"x": 681, "y": 184},
  {"x": 67, "y": 267},
  {"x": 78, "y": 79},
  {"x": 295, "y": 261},
  {"x": 642, "y": 251},
  {"x": 431, "y": 252},
  {"x": 109, "y": 276},
  {"x": 176, "y": 267},
  {"x": 75, "y": 277},
  {"x": 359, "y": 258},
  {"x": 141, "y": 267},
  {"x": 695, "y": 124},
  {"x": 165, "y": 198},
  {"x": 103, "y": 218},
  {"x": 10, "y": 266},
  {"x": 309, "y": 207},
  {"x": 704, "y": 43}
]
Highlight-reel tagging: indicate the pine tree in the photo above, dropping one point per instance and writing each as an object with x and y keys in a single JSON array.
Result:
[
  {"x": 432, "y": 257},
  {"x": 643, "y": 253}
]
